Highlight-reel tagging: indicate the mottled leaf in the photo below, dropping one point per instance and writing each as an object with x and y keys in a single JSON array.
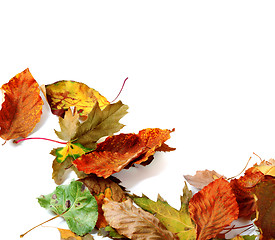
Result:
[
  {"x": 22, "y": 106},
  {"x": 213, "y": 208},
  {"x": 177, "y": 221},
  {"x": 202, "y": 178},
  {"x": 64, "y": 94},
  {"x": 102, "y": 188},
  {"x": 75, "y": 203},
  {"x": 265, "y": 205},
  {"x": 133, "y": 222}
]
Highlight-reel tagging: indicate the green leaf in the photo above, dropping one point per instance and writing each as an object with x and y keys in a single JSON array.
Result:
[
  {"x": 75, "y": 203},
  {"x": 100, "y": 123},
  {"x": 176, "y": 221}
]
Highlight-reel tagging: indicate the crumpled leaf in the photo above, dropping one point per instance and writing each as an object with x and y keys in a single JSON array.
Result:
[
  {"x": 22, "y": 106},
  {"x": 75, "y": 204},
  {"x": 177, "y": 221},
  {"x": 122, "y": 151},
  {"x": 265, "y": 203},
  {"x": 202, "y": 178},
  {"x": 243, "y": 190},
  {"x": 66, "y": 234},
  {"x": 102, "y": 188},
  {"x": 213, "y": 208},
  {"x": 64, "y": 94},
  {"x": 133, "y": 222}
]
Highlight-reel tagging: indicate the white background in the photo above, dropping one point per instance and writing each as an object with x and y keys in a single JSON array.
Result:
[{"x": 203, "y": 67}]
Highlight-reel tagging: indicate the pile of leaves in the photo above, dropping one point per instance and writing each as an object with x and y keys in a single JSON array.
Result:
[{"x": 98, "y": 201}]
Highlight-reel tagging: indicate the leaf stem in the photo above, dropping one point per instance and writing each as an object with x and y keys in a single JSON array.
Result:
[
  {"x": 47, "y": 139},
  {"x": 22, "y": 235},
  {"x": 120, "y": 89}
]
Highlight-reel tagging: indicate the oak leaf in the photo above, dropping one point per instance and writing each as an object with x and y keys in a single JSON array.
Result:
[
  {"x": 265, "y": 205},
  {"x": 75, "y": 203},
  {"x": 213, "y": 208},
  {"x": 202, "y": 178},
  {"x": 64, "y": 94},
  {"x": 102, "y": 188},
  {"x": 22, "y": 106},
  {"x": 177, "y": 221},
  {"x": 122, "y": 151},
  {"x": 133, "y": 222}
]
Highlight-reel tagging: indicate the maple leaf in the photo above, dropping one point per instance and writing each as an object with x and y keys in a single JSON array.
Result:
[
  {"x": 122, "y": 151},
  {"x": 75, "y": 204},
  {"x": 178, "y": 222},
  {"x": 102, "y": 188},
  {"x": 202, "y": 178},
  {"x": 265, "y": 204},
  {"x": 66, "y": 234},
  {"x": 213, "y": 208},
  {"x": 22, "y": 106},
  {"x": 133, "y": 222},
  {"x": 64, "y": 94},
  {"x": 84, "y": 136}
]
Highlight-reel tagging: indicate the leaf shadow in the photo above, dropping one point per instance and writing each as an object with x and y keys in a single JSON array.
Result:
[{"x": 134, "y": 175}]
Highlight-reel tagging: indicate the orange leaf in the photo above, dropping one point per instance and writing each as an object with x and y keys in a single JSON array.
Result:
[
  {"x": 122, "y": 151},
  {"x": 22, "y": 107},
  {"x": 213, "y": 208},
  {"x": 111, "y": 156}
]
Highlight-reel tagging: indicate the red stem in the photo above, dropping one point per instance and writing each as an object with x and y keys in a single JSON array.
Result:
[
  {"x": 120, "y": 89},
  {"x": 47, "y": 139}
]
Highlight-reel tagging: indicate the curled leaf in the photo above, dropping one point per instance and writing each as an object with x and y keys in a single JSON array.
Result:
[
  {"x": 133, "y": 222},
  {"x": 213, "y": 208},
  {"x": 22, "y": 107}
]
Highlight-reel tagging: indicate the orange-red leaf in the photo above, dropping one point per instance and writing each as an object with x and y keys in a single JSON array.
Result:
[
  {"x": 213, "y": 208},
  {"x": 122, "y": 151},
  {"x": 111, "y": 156},
  {"x": 22, "y": 107}
]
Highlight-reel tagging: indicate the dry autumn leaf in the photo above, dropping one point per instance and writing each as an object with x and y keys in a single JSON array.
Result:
[
  {"x": 22, "y": 106},
  {"x": 64, "y": 94},
  {"x": 121, "y": 151},
  {"x": 177, "y": 221},
  {"x": 265, "y": 202},
  {"x": 267, "y": 167},
  {"x": 133, "y": 222},
  {"x": 66, "y": 234},
  {"x": 102, "y": 188},
  {"x": 213, "y": 208},
  {"x": 202, "y": 178}
]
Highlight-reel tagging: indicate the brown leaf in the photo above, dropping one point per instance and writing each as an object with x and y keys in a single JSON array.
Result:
[
  {"x": 66, "y": 234},
  {"x": 265, "y": 202},
  {"x": 213, "y": 208},
  {"x": 22, "y": 107},
  {"x": 202, "y": 178},
  {"x": 133, "y": 222},
  {"x": 102, "y": 188},
  {"x": 243, "y": 190},
  {"x": 122, "y": 151}
]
